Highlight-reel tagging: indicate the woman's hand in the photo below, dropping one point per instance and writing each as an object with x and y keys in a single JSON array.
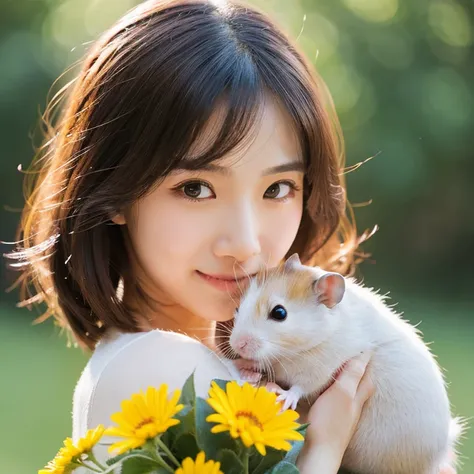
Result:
[
  {"x": 447, "y": 470},
  {"x": 334, "y": 417}
]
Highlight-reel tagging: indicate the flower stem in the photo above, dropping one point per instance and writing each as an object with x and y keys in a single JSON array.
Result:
[
  {"x": 110, "y": 469},
  {"x": 150, "y": 447},
  {"x": 167, "y": 451},
  {"x": 91, "y": 456},
  {"x": 245, "y": 460},
  {"x": 162, "y": 462},
  {"x": 83, "y": 464}
]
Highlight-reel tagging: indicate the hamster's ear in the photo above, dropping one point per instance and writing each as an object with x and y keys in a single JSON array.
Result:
[
  {"x": 292, "y": 262},
  {"x": 330, "y": 289}
]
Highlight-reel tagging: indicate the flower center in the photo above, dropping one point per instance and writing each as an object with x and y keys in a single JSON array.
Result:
[
  {"x": 146, "y": 421},
  {"x": 250, "y": 416}
]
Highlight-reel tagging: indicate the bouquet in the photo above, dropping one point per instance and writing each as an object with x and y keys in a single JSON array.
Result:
[{"x": 236, "y": 430}]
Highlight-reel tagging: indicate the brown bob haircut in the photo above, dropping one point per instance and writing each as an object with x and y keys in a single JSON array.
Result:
[{"x": 144, "y": 94}]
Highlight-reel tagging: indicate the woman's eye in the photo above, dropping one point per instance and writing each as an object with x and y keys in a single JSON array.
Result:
[
  {"x": 279, "y": 190},
  {"x": 197, "y": 191}
]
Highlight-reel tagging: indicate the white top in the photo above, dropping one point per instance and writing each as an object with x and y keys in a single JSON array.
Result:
[{"x": 123, "y": 364}]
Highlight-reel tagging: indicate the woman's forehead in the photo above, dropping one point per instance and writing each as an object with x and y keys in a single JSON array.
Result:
[{"x": 272, "y": 140}]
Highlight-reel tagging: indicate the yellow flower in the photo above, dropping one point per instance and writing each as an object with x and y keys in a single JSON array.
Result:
[
  {"x": 253, "y": 414},
  {"x": 59, "y": 465},
  {"x": 143, "y": 417},
  {"x": 70, "y": 452},
  {"x": 199, "y": 466}
]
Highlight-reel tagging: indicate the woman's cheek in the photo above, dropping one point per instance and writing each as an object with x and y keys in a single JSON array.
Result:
[
  {"x": 281, "y": 232},
  {"x": 169, "y": 231}
]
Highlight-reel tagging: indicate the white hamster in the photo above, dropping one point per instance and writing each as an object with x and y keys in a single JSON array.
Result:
[{"x": 301, "y": 324}]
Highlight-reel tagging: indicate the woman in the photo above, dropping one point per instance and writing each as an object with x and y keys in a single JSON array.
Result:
[{"x": 196, "y": 147}]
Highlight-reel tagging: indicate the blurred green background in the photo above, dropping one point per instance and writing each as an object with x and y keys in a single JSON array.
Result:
[{"x": 401, "y": 74}]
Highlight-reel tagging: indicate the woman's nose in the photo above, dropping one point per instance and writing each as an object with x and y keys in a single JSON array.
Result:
[{"x": 239, "y": 237}]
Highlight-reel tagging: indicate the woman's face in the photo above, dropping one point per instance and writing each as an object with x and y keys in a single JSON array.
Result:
[{"x": 198, "y": 235}]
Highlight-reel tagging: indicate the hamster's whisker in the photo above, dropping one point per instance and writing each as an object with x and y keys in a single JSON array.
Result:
[
  {"x": 225, "y": 334},
  {"x": 308, "y": 352},
  {"x": 237, "y": 281},
  {"x": 230, "y": 294},
  {"x": 199, "y": 328},
  {"x": 226, "y": 330},
  {"x": 287, "y": 350},
  {"x": 221, "y": 358},
  {"x": 222, "y": 344},
  {"x": 218, "y": 345},
  {"x": 284, "y": 368},
  {"x": 268, "y": 368},
  {"x": 300, "y": 354},
  {"x": 282, "y": 355},
  {"x": 282, "y": 350},
  {"x": 225, "y": 352},
  {"x": 266, "y": 266},
  {"x": 228, "y": 353},
  {"x": 210, "y": 338},
  {"x": 245, "y": 271},
  {"x": 265, "y": 277},
  {"x": 323, "y": 367}
]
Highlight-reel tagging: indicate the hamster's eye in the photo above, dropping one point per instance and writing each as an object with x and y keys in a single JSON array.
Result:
[{"x": 278, "y": 313}]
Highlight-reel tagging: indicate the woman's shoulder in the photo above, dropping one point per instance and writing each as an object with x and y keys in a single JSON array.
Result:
[{"x": 123, "y": 364}]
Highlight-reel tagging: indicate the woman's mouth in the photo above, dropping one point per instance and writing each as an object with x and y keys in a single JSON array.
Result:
[{"x": 227, "y": 283}]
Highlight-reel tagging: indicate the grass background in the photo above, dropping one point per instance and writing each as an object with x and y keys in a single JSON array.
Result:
[{"x": 38, "y": 374}]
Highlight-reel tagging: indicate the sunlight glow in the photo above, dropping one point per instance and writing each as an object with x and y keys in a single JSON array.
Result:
[{"x": 377, "y": 11}]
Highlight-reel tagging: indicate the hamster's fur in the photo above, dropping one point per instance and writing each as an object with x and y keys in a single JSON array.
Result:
[{"x": 406, "y": 426}]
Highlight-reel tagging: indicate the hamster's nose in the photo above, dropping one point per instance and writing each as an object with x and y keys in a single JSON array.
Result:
[
  {"x": 246, "y": 345},
  {"x": 242, "y": 343}
]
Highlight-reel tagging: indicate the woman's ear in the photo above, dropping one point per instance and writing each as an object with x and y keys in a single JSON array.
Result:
[{"x": 118, "y": 219}]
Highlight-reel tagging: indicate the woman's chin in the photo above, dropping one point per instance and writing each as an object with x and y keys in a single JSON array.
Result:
[{"x": 219, "y": 314}]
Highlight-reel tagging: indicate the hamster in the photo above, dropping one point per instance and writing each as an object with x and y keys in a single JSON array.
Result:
[{"x": 301, "y": 325}]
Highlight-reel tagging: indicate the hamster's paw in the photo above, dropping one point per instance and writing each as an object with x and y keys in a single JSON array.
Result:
[
  {"x": 447, "y": 470},
  {"x": 290, "y": 399}
]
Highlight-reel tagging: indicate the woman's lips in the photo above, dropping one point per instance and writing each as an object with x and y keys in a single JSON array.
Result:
[{"x": 225, "y": 282}]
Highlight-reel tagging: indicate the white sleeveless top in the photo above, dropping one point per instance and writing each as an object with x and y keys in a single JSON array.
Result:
[{"x": 123, "y": 364}]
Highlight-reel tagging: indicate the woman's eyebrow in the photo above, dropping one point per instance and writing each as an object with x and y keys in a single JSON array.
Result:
[
  {"x": 291, "y": 166},
  {"x": 226, "y": 171}
]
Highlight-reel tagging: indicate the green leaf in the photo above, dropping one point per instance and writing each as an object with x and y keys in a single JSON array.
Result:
[
  {"x": 254, "y": 459},
  {"x": 230, "y": 462},
  {"x": 292, "y": 455},
  {"x": 221, "y": 383},
  {"x": 271, "y": 459},
  {"x": 187, "y": 420},
  {"x": 140, "y": 466},
  {"x": 185, "y": 446},
  {"x": 210, "y": 443},
  {"x": 188, "y": 393},
  {"x": 302, "y": 428},
  {"x": 284, "y": 468},
  {"x": 187, "y": 424},
  {"x": 185, "y": 416}
]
